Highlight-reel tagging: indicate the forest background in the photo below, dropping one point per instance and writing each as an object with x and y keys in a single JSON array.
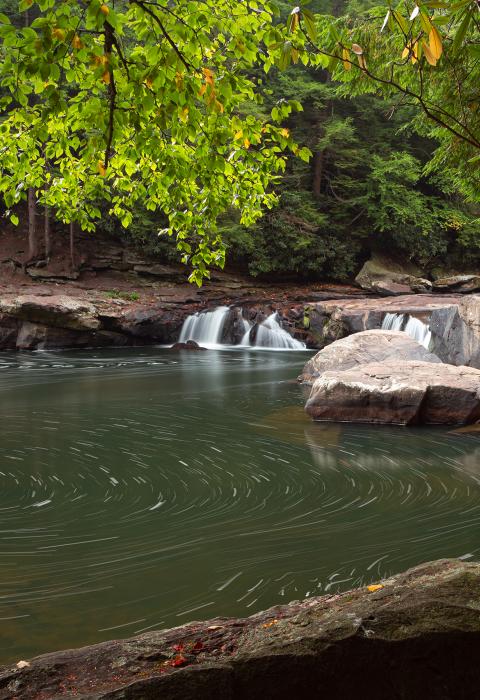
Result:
[{"x": 364, "y": 191}]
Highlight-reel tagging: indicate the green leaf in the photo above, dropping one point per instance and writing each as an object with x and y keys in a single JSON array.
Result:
[
  {"x": 310, "y": 24},
  {"x": 461, "y": 32}
]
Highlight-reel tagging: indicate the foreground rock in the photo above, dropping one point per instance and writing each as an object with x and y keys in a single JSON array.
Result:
[
  {"x": 364, "y": 348},
  {"x": 405, "y": 393},
  {"x": 415, "y": 635}
]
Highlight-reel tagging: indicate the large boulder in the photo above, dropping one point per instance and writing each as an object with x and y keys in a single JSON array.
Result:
[
  {"x": 456, "y": 332},
  {"x": 414, "y": 635},
  {"x": 400, "y": 392},
  {"x": 364, "y": 348},
  {"x": 389, "y": 278}
]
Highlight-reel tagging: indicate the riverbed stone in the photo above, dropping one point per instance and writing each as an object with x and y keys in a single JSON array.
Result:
[
  {"x": 400, "y": 392},
  {"x": 364, "y": 348},
  {"x": 414, "y": 635}
]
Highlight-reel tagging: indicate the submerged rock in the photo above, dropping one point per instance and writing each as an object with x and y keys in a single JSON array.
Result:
[
  {"x": 189, "y": 345},
  {"x": 414, "y": 635},
  {"x": 363, "y": 348},
  {"x": 401, "y": 392}
]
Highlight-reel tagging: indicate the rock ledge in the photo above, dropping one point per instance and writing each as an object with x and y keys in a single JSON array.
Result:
[{"x": 415, "y": 635}]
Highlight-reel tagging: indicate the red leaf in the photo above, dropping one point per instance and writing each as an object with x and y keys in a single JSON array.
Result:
[{"x": 178, "y": 661}]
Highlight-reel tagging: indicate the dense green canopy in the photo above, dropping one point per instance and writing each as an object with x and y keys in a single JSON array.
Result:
[{"x": 138, "y": 103}]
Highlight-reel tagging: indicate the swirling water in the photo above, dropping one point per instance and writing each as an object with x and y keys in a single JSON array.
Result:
[{"x": 143, "y": 488}]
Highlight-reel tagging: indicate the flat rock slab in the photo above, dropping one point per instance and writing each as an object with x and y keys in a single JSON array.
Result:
[
  {"x": 364, "y": 348},
  {"x": 415, "y": 635},
  {"x": 403, "y": 392}
]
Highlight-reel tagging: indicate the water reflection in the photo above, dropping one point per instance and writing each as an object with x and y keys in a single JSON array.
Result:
[{"x": 144, "y": 488}]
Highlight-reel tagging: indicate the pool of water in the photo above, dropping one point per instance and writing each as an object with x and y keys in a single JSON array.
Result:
[{"x": 144, "y": 488}]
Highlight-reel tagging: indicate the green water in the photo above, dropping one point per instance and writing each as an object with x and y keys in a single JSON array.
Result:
[{"x": 142, "y": 489}]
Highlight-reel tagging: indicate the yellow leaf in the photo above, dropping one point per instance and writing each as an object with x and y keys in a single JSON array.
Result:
[
  {"x": 246, "y": 143},
  {"x": 149, "y": 82},
  {"x": 346, "y": 59},
  {"x": 219, "y": 107},
  {"x": 362, "y": 62},
  {"x": 107, "y": 77},
  {"x": 238, "y": 135},
  {"x": 184, "y": 114},
  {"x": 209, "y": 77},
  {"x": 405, "y": 52},
  {"x": 374, "y": 587},
  {"x": 414, "y": 57},
  {"x": 285, "y": 133},
  {"x": 101, "y": 168},
  {"x": 77, "y": 42},
  {"x": 59, "y": 34},
  {"x": 202, "y": 90},
  {"x": 105, "y": 10},
  {"x": 435, "y": 42},
  {"x": 429, "y": 55}
]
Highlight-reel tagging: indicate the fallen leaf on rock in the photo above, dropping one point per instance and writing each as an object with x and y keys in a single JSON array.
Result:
[
  {"x": 23, "y": 664},
  {"x": 178, "y": 661},
  {"x": 374, "y": 587},
  {"x": 270, "y": 624}
]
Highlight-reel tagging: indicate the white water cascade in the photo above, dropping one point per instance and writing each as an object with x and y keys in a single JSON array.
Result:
[
  {"x": 270, "y": 334},
  {"x": 204, "y": 328},
  {"x": 415, "y": 328}
]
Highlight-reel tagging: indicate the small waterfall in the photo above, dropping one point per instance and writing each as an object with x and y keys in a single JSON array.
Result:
[
  {"x": 207, "y": 327},
  {"x": 270, "y": 334},
  {"x": 204, "y": 328},
  {"x": 415, "y": 328}
]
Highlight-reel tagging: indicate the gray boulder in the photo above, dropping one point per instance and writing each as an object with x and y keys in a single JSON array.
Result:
[
  {"x": 400, "y": 392},
  {"x": 389, "y": 278},
  {"x": 364, "y": 348}
]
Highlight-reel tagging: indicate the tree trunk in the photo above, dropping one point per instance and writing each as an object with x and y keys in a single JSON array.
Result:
[
  {"x": 48, "y": 238},
  {"x": 72, "y": 245},
  {"x": 32, "y": 225}
]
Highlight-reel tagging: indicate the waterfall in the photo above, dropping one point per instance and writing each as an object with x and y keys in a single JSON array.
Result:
[
  {"x": 204, "y": 328},
  {"x": 270, "y": 334},
  {"x": 415, "y": 328}
]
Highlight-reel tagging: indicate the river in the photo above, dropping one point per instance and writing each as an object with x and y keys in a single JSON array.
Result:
[{"x": 144, "y": 488}]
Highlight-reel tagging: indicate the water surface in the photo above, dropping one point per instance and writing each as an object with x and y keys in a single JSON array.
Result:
[{"x": 144, "y": 488}]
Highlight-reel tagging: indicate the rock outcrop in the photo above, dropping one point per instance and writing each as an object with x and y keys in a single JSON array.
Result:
[
  {"x": 454, "y": 321},
  {"x": 364, "y": 348},
  {"x": 404, "y": 393},
  {"x": 388, "y": 278},
  {"x": 414, "y": 635}
]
